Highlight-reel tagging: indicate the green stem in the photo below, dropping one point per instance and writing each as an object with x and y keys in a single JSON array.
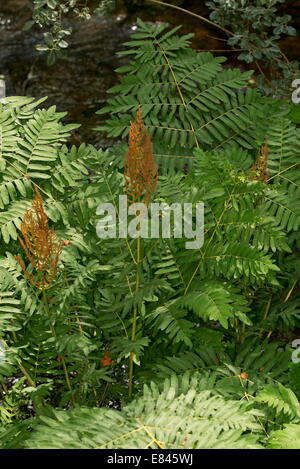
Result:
[{"x": 135, "y": 313}]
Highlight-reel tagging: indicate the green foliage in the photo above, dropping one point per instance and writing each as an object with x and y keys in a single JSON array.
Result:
[
  {"x": 282, "y": 400},
  {"x": 49, "y": 14},
  {"x": 178, "y": 339},
  {"x": 255, "y": 29},
  {"x": 42, "y": 333}
]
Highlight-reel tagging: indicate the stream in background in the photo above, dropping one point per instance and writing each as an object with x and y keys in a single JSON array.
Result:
[{"x": 78, "y": 83}]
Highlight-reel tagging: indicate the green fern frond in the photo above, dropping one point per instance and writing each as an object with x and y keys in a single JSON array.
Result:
[
  {"x": 185, "y": 97},
  {"x": 281, "y": 399}
]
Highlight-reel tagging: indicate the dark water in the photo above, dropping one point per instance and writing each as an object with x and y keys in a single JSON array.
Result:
[{"x": 78, "y": 83}]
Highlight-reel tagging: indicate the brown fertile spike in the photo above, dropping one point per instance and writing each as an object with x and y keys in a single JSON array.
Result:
[
  {"x": 41, "y": 245},
  {"x": 140, "y": 170}
]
